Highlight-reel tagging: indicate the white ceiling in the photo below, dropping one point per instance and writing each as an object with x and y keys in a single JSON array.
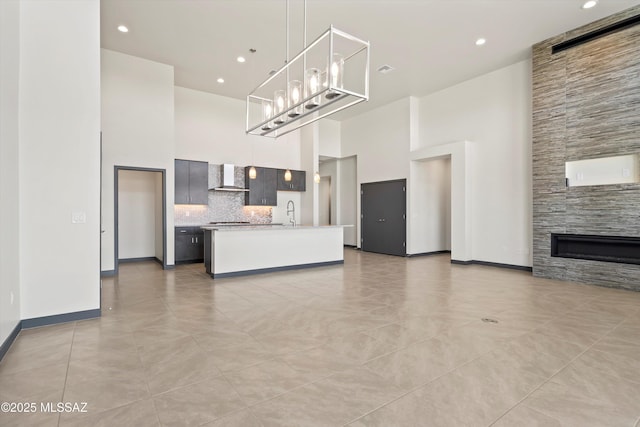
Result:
[{"x": 430, "y": 43}]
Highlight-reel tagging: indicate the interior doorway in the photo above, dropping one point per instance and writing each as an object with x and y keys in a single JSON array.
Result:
[
  {"x": 140, "y": 215},
  {"x": 324, "y": 199},
  {"x": 340, "y": 206},
  {"x": 384, "y": 217},
  {"x": 431, "y": 204}
]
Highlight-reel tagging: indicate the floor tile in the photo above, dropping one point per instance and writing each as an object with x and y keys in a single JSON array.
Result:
[
  {"x": 139, "y": 414},
  {"x": 198, "y": 403},
  {"x": 378, "y": 341}
]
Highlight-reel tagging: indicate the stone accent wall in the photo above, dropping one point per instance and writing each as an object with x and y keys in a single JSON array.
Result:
[{"x": 586, "y": 104}]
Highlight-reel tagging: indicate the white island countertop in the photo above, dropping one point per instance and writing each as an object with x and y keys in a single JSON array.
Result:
[
  {"x": 245, "y": 249},
  {"x": 254, "y": 227}
]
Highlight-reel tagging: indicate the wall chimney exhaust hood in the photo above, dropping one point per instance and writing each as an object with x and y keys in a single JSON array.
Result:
[{"x": 227, "y": 176}]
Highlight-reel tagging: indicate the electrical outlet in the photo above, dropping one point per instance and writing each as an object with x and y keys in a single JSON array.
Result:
[
  {"x": 11, "y": 293},
  {"x": 626, "y": 172},
  {"x": 187, "y": 213},
  {"x": 78, "y": 217},
  {"x": 580, "y": 176}
]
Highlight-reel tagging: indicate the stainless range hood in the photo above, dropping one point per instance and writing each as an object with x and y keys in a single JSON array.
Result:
[{"x": 227, "y": 177}]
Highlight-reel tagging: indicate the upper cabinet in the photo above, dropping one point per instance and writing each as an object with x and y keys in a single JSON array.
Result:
[
  {"x": 298, "y": 181},
  {"x": 262, "y": 189},
  {"x": 191, "y": 182}
]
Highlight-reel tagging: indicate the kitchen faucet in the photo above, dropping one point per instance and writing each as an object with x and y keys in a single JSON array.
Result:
[{"x": 291, "y": 210}]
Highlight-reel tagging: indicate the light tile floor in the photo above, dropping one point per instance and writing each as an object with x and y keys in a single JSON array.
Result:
[{"x": 380, "y": 341}]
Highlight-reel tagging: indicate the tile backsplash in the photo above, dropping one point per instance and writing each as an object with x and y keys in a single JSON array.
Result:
[{"x": 224, "y": 206}]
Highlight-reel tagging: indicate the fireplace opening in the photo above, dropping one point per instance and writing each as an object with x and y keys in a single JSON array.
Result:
[{"x": 619, "y": 249}]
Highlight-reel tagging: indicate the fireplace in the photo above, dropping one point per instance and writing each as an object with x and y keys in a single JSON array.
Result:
[{"x": 619, "y": 249}]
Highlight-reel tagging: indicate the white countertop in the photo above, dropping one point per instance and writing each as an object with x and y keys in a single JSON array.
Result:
[{"x": 262, "y": 227}]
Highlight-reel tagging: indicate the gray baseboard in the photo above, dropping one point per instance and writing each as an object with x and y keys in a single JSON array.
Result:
[
  {"x": 144, "y": 258},
  {"x": 108, "y": 273},
  {"x": 493, "y": 264},
  {"x": 274, "y": 269},
  {"x": 46, "y": 321},
  {"x": 428, "y": 253},
  {"x": 60, "y": 318},
  {"x": 10, "y": 339}
]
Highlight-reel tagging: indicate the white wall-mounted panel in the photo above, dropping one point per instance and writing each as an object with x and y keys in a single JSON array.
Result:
[{"x": 603, "y": 171}]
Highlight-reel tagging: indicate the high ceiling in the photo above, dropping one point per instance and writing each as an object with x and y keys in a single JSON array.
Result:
[{"x": 430, "y": 43}]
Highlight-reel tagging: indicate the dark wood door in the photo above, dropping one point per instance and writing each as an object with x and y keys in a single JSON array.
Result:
[
  {"x": 262, "y": 189},
  {"x": 181, "y": 182},
  {"x": 383, "y": 206},
  {"x": 199, "y": 183},
  {"x": 270, "y": 188}
]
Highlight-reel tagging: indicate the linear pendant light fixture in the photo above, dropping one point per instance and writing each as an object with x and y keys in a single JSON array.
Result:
[{"x": 327, "y": 76}]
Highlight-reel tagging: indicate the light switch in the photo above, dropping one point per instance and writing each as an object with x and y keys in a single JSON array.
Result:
[{"x": 78, "y": 217}]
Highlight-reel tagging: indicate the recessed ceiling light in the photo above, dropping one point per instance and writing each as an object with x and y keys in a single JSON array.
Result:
[
  {"x": 220, "y": 80},
  {"x": 123, "y": 29},
  {"x": 240, "y": 59},
  {"x": 480, "y": 42},
  {"x": 589, "y": 4}
]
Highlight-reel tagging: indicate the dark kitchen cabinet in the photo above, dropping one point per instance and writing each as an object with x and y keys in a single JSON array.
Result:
[
  {"x": 263, "y": 189},
  {"x": 189, "y": 245},
  {"x": 191, "y": 182},
  {"x": 298, "y": 181}
]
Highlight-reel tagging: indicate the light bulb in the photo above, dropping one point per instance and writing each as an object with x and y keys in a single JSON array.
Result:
[
  {"x": 335, "y": 75},
  {"x": 252, "y": 173},
  {"x": 312, "y": 85},
  {"x": 279, "y": 97},
  {"x": 335, "y": 71},
  {"x": 267, "y": 111},
  {"x": 287, "y": 175},
  {"x": 295, "y": 88},
  {"x": 316, "y": 177}
]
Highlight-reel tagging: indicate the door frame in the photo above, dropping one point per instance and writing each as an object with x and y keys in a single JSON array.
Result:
[
  {"x": 117, "y": 169},
  {"x": 400, "y": 180}
]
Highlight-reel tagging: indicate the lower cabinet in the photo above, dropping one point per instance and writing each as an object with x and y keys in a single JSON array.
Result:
[{"x": 189, "y": 245}]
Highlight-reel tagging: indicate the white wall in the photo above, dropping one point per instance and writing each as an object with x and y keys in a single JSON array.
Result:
[
  {"x": 59, "y": 156},
  {"x": 9, "y": 173},
  {"x": 137, "y": 130},
  {"x": 329, "y": 138},
  {"x": 492, "y": 111},
  {"x": 309, "y": 146},
  {"x": 137, "y": 214},
  {"x": 380, "y": 139},
  {"x": 210, "y": 128}
]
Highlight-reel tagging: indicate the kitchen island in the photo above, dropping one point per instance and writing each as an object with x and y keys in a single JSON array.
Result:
[{"x": 241, "y": 250}]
